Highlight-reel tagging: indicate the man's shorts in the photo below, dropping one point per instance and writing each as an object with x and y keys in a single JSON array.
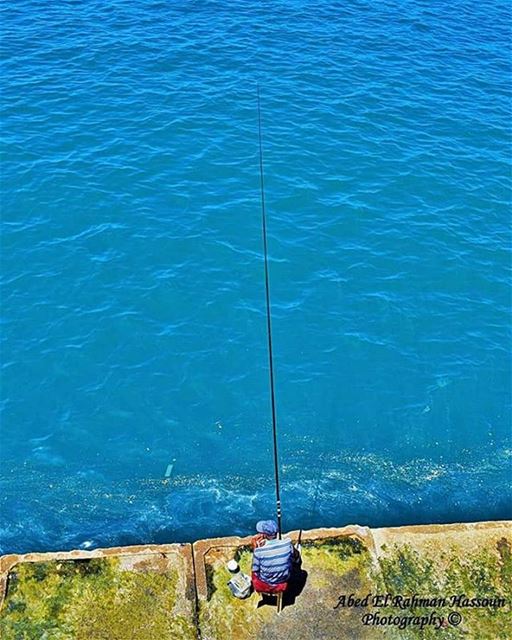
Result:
[{"x": 264, "y": 587}]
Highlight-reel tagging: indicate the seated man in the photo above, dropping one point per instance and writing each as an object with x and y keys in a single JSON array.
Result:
[{"x": 272, "y": 559}]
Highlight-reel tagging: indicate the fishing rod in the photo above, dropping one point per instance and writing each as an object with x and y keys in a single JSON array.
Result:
[{"x": 269, "y": 323}]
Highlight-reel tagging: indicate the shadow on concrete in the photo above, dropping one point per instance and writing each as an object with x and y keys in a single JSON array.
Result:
[{"x": 296, "y": 585}]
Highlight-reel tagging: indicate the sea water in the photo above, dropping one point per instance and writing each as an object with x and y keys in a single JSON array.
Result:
[{"x": 135, "y": 394}]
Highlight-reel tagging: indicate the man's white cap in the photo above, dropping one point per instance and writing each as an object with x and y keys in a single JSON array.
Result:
[{"x": 233, "y": 565}]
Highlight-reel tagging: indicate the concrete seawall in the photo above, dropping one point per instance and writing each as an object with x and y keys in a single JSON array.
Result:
[{"x": 180, "y": 591}]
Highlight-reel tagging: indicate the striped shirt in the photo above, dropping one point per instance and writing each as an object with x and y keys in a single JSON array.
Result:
[{"x": 272, "y": 562}]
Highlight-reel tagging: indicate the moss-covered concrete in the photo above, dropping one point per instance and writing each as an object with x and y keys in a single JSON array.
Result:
[
  {"x": 140, "y": 596},
  {"x": 469, "y": 560},
  {"x": 331, "y": 563},
  {"x": 329, "y": 567},
  {"x": 180, "y": 591}
]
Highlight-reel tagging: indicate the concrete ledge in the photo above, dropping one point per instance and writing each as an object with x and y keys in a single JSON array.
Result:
[
  {"x": 7, "y": 562},
  {"x": 110, "y": 591},
  {"x": 206, "y": 549},
  {"x": 182, "y": 588},
  {"x": 464, "y": 537}
]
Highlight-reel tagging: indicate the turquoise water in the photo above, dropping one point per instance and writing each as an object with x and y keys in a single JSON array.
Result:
[{"x": 132, "y": 276}]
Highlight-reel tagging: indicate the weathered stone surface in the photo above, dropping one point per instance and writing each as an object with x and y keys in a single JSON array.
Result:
[
  {"x": 333, "y": 560},
  {"x": 464, "y": 563},
  {"x": 438, "y": 538},
  {"x": 140, "y": 593},
  {"x": 178, "y": 591}
]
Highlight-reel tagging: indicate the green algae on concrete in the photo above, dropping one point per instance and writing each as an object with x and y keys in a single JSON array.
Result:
[
  {"x": 149, "y": 592},
  {"x": 458, "y": 580},
  {"x": 95, "y": 599},
  {"x": 222, "y": 615},
  {"x": 330, "y": 566}
]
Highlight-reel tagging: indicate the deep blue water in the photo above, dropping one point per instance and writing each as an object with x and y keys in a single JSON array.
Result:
[{"x": 132, "y": 276}]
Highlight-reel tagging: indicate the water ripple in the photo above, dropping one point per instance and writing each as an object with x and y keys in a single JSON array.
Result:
[{"x": 133, "y": 317}]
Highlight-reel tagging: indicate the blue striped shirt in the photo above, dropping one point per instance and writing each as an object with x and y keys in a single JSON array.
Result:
[{"x": 272, "y": 562}]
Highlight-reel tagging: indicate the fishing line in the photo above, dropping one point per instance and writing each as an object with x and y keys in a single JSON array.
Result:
[{"x": 269, "y": 322}]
